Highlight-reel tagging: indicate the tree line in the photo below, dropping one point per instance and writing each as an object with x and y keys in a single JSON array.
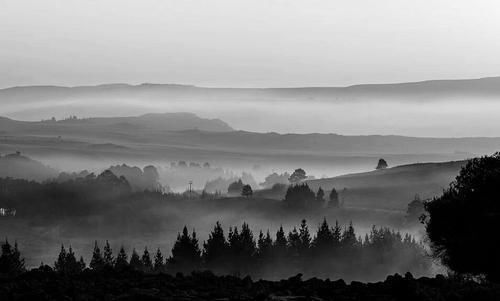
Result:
[{"x": 332, "y": 251}]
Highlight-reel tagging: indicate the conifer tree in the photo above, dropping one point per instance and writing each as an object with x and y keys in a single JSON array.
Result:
[
  {"x": 320, "y": 197},
  {"x": 108, "y": 255},
  {"x": 294, "y": 243},
  {"x": 97, "y": 261},
  {"x": 215, "y": 249},
  {"x": 324, "y": 240},
  {"x": 349, "y": 239},
  {"x": 135, "y": 261},
  {"x": 81, "y": 264},
  {"x": 72, "y": 266},
  {"x": 265, "y": 245},
  {"x": 159, "y": 263},
  {"x": 60, "y": 263},
  {"x": 305, "y": 238},
  {"x": 186, "y": 252},
  {"x": 146, "y": 260},
  {"x": 334, "y": 199},
  {"x": 121, "y": 261},
  {"x": 280, "y": 244}
]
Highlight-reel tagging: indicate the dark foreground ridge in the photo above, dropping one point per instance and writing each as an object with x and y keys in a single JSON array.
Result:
[{"x": 45, "y": 284}]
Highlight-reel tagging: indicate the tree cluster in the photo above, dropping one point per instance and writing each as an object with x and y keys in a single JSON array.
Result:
[
  {"x": 329, "y": 252},
  {"x": 11, "y": 262}
]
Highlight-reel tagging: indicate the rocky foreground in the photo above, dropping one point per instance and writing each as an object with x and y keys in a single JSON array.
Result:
[{"x": 42, "y": 284}]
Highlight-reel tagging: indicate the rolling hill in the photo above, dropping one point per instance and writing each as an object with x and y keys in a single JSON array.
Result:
[{"x": 392, "y": 188}]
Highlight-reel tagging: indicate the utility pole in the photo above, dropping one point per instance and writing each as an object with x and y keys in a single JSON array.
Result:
[{"x": 190, "y": 189}]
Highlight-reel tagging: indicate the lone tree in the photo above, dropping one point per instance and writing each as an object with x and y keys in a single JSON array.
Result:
[
  {"x": 462, "y": 224},
  {"x": 297, "y": 176},
  {"x": 247, "y": 191},
  {"x": 382, "y": 164}
]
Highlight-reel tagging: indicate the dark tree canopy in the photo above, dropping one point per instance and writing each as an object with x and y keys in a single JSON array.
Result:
[
  {"x": 247, "y": 191},
  {"x": 463, "y": 223},
  {"x": 320, "y": 197},
  {"x": 297, "y": 176},
  {"x": 382, "y": 164},
  {"x": 186, "y": 253},
  {"x": 235, "y": 187},
  {"x": 11, "y": 262},
  {"x": 299, "y": 196},
  {"x": 97, "y": 262},
  {"x": 334, "y": 199}
]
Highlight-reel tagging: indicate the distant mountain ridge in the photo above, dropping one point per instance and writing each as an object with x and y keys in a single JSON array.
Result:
[
  {"x": 153, "y": 121},
  {"x": 425, "y": 90}
]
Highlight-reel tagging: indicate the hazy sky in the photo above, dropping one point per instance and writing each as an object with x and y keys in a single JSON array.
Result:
[{"x": 246, "y": 43}]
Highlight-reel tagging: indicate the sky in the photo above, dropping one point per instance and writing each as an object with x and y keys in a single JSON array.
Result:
[{"x": 239, "y": 43}]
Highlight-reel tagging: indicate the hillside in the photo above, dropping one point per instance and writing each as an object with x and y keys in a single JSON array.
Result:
[{"x": 392, "y": 188}]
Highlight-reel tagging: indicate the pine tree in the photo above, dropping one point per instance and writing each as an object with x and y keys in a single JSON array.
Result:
[
  {"x": 215, "y": 249},
  {"x": 280, "y": 244},
  {"x": 324, "y": 240},
  {"x": 186, "y": 252},
  {"x": 159, "y": 264},
  {"x": 135, "y": 261},
  {"x": 72, "y": 266},
  {"x": 66, "y": 262},
  {"x": 60, "y": 264},
  {"x": 337, "y": 234},
  {"x": 320, "y": 197},
  {"x": 349, "y": 237},
  {"x": 294, "y": 243},
  {"x": 334, "y": 199},
  {"x": 108, "y": 255},
  {"x": 146, "y": 260},
  {"x": 81, "y": 264},
  {"x": 97, "y": 262},
  {"x": 265, "y": 245},
  {"x": 121, "y": 261},
  {"x": 305, "y": 238}
]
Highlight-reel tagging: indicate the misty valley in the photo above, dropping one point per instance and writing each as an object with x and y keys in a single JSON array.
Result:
[{"x": 80, "y": 196}]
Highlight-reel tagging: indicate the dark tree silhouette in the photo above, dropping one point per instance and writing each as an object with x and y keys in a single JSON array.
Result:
[
  {"x": 462, "y": 224},
  {"x": 297, "y": 176},
  {"x": 299, "y": 196},
  {"x": 135, "y": 261},
  {"x": 159, "y": 264},
  {"x": 324, "y": 239},
  {"x": 247, "y": 191},
  {"x": 108, "y": 255},
  {"x": 235, "y": 188},
  {"x": 66, "y": 262},
  {"x": 415, "y": 209},
  {"x": 320, "y": 197},
  {"x": 241, "y": 248},
  {"x": 121, "y": 261},
  {"x": 97, "y": 262},
  {"x": 186, "y": 254},
  {"x": 280, "y": 244},
  {"x": 382, "y": 164},
  {"x": 334, "y": 199},
  {"x": 215, "y": 249},
  {"x": 147, "y": 263},
  {"x": 11, "y": 262},
  {"x": 264, "y": 245}
]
